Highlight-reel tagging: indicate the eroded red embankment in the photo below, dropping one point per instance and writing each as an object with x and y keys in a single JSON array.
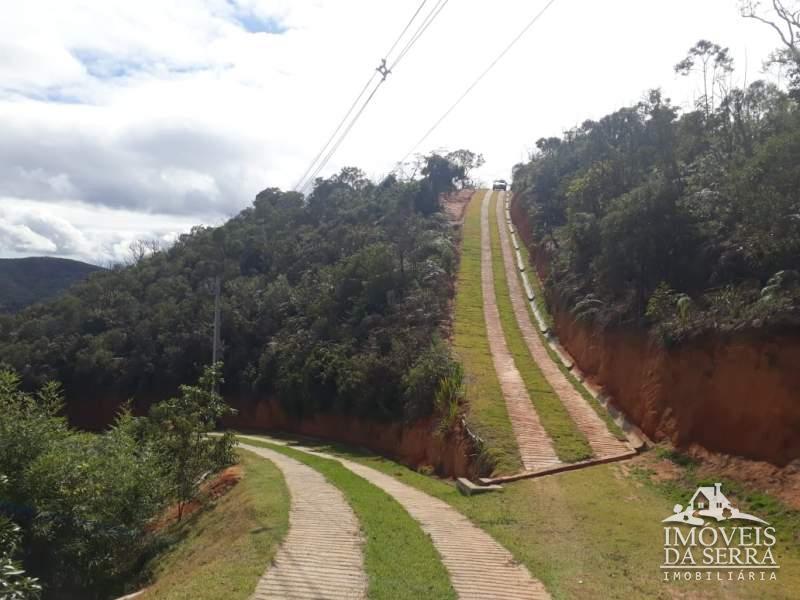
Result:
[
  {"x": 737, "y": 394},
  {"x": 415, "y": 444}
]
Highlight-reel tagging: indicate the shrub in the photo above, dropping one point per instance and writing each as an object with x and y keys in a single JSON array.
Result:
[
  {"x": 422, "y": 380},
  {"x": 450, "y": 395},
  {"x": 84, "y": 501},
  {"x": 179, "y": 429},
  {"x": 93, "y": 496},
  {"x": 15, "y": 584}
]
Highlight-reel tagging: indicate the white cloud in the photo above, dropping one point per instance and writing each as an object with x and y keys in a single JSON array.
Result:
[
  {"x": 21, "y": 238},
  {"x": 187, "y": 109},
  {"x": 85, "y": 232}
]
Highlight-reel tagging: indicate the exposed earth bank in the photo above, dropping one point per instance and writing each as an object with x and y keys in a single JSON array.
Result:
[
  {"x": 737, "y": 394},
  {"x": 417, "y": 444}
]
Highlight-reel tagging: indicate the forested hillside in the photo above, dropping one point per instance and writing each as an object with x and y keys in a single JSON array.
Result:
[
  {"x": 681, "y": 221},
  {"x": 331, "y": 302},
  {"x": 24, "y": 281}
]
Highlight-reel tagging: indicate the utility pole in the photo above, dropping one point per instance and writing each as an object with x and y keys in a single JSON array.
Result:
[{"x": 215, "y": 344}]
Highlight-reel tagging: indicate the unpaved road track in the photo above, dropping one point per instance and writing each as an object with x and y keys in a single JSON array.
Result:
[
  {"x": 479, "y": 567},
  {"x": 535, "y": 446},
  {"x": 321, "y": 556}
]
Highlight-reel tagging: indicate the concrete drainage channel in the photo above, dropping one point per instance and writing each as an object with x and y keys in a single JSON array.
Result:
[{"x": 493, "y": 484}]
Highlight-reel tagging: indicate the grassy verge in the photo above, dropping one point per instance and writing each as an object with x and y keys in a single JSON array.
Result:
[
  {"x": 688, "y": 476},
  {"x": 568, "y": 441},
  {"x": 597, "y": 532},
  {"x": 539, "y": 300},
  {"x": 399, "y": 558},
  {"x": 487, "y": 408},
  {"x": 221, "y": 552}
]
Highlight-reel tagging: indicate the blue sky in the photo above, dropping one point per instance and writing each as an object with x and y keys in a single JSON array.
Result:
[{"x": 122, "y": 120}]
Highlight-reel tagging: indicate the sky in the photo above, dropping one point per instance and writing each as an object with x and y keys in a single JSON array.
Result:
[{"x": 126, "y": 120}]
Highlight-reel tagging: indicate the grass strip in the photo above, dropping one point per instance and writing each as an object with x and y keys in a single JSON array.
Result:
[
  {"x": 400, "y": 559},
  {"x": 222, "y": 551},
  {"x": 569, "y": 442},
  {"x": 487, "y": 408}
]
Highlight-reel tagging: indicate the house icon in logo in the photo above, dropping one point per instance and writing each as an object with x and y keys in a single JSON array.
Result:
[{"x": 708, "y": 501}]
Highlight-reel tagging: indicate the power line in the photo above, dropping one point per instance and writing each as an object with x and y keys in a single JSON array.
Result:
[
  {"x": 335, "y": 131},
  {"x": 384, "y": 71},
  {"x": 434, "y": 12},
  {"x": 344, "y": 134},
  {"x": 304, "y": 181},
  {"x": 402, "y": 33},
  {"x": 476, "y": 82}
]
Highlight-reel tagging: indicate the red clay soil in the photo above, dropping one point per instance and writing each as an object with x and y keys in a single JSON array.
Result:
[
  {"x": 733, "y": 394},
  {"x": 781, "y": 482},
  {"x": 96, "y": 410},
  {"x": 455, "y": 204},
  {"x": 416, "y": 444},
  {"x": 212, "y": 489}
]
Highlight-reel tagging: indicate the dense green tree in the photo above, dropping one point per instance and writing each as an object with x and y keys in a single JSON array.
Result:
[
  {"x": 703, "y": 204},
  {"x": 326, "y": 302}
]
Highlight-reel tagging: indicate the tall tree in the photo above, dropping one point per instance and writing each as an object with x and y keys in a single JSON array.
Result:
[
  {"x": 714, "y": 64},
  {"x": 784, "y": 18}
]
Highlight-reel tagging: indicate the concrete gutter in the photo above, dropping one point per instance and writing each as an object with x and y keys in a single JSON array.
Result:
[{"x": 557, "y": 469}]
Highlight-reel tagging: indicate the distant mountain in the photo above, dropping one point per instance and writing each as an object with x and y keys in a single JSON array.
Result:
[{"x": 24, "y": 281}]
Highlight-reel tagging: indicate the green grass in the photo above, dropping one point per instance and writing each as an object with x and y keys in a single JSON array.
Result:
[
  {"x": 569, "y": 443},
  {"x": 222, "y": 551},
  {"x": 785, "y": 520},
  {"x": 487, "y": 409},
  {"x": 399, "y": 558},
  {"x": 541, "y": 305},
  {"x": 597, "y": 532}
]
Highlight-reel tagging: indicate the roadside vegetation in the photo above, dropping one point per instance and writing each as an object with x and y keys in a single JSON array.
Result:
[
  {"x": 569, "y": 442},
  {"x": 222, "y": 551},
  {"x": 679, "y": 222},
  {"x": 78, "y": 505},
  {"x": 399, "y": 558},
  {"x": 486, "y": 407}
]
